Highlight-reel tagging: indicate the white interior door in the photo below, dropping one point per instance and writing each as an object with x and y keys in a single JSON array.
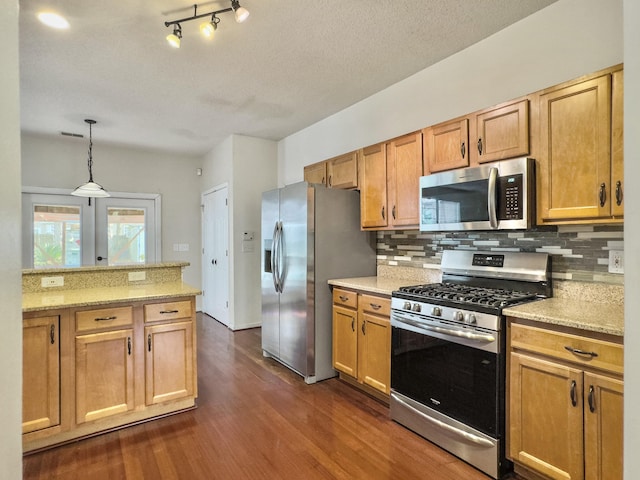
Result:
[
  {"x": 126, "y": 231},
  {"x": 215, "y": 254}
]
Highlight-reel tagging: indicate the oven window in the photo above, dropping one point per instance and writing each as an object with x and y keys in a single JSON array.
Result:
[
  {"x": 461, "y": 202},
  {"x": 461, "y": 382}
]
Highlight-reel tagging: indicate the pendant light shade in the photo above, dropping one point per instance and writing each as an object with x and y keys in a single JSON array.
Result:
[{"x": 91, "y": 188}]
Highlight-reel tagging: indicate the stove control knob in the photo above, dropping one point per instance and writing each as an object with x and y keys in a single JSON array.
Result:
[
  {"x": 458, "y": 316},
  {"x": 436, "y": 311},
  {"x": 407, "y": 306},
  {"x": 416, "y": 307},
  {"x": 471, "y": 319}
]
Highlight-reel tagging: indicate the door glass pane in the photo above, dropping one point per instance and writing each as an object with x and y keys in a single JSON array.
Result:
[
  {"x": 56, "y": 236},
  {"x": 126, "y": 236}
]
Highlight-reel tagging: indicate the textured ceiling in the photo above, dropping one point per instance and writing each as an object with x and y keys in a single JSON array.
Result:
[{"x": 292, "y": 63}]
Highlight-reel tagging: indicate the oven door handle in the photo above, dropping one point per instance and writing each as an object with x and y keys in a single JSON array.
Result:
[
  {"x": 470, "y": 437},
  {"x": 483, "y": 337}
]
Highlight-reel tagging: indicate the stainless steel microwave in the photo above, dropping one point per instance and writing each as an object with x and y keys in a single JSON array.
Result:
[{"x": 494, "y": 196}]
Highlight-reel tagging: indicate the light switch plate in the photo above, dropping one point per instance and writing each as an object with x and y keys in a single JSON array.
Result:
[{"x": 616, "y": 261}]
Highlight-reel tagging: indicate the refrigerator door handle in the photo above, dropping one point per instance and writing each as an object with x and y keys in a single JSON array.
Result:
[
  {"x": 280, "y": 258},
  {"x": 274, "y": 253}
]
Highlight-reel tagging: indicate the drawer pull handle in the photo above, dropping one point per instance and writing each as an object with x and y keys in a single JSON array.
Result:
[
  {"x": 104, "y": 319},
  {"x": 581, "y": 352},
  {"x": 129, "y": 345},
  {"x": 52, "y": 334},
  {"x": 149, "y": 342},
  {"x": 168, "y": 311},
  {"x": 592, "y": 400},
  {"x": 363, "y": 329},
  {"x": 343, "y": 298},
  {"x": 353, "y": 324},
  {"x": 573, "y": 393},
  {"x": 375, "y": 306}
]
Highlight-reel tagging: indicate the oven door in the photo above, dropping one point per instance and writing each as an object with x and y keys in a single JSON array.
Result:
[{"x": 456, "y": 371}]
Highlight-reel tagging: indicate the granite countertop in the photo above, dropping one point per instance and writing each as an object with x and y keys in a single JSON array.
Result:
[
  {"x": 102, "y": 295},
  {"x": 591, "y": 316},
  {"x": 379, "y": 285}
]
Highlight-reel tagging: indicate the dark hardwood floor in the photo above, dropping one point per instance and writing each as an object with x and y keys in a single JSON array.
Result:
[{"x": 256, "y": 420}]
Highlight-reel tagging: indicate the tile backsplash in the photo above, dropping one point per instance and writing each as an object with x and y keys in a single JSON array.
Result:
[{"x": 579, "y": 253}]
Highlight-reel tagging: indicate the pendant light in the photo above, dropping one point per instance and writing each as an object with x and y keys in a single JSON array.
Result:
[{"x": 90, "y": 189}]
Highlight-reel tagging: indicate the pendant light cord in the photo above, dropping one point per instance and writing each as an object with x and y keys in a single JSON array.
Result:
[{"x": 90, "y": 161}]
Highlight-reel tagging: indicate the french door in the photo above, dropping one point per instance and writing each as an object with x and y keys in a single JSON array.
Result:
[{"x": 60, "y": 230}]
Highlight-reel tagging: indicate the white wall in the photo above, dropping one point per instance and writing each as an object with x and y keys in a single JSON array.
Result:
[
  {"x": 632, "y": 237},
  {"x": 249, "y": 167},
  {"x": 61, "y": 162},
  {"x": 563, "y": 41},
  {"x": 10, "y": 268}
]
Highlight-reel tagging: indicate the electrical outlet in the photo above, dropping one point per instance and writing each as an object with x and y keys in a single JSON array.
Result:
[
  {"x": 616, "y": 261},
  {"x": 47, "y": 282},
  {"x": 137, "y": 276}
]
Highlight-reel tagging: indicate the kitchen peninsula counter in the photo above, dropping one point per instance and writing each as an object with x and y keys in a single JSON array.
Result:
[{"x": 84, "y": 297}]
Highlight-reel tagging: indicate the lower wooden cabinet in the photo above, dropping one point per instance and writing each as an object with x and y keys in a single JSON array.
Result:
[
  {"x": 565, "y": 408},
  {"x": 40, "y": 373},
  {"x": 362, "y": 339},
  {"x": 91, "y": 370},
  {"x": 168, "y": 362}
]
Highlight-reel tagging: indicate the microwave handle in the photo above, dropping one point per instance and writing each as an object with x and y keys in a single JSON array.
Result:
[{"x": 491, "y": 200}]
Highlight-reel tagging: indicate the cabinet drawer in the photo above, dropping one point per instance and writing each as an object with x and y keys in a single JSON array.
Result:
[
  {"x": 375, "y": 304},
  {"x": 103, "y": 318},
  {"x": 155, "y": 312},
  {"x": 597, "y": 353},
  {"x": 346, "y": 298}
]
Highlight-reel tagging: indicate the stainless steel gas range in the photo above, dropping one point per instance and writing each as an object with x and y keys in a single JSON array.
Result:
[{"x": 448, "y": 351}]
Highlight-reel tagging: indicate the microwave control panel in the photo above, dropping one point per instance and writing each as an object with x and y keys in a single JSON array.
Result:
[{"x": 510, "y": 197}]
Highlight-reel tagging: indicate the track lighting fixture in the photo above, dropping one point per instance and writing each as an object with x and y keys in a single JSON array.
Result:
[
  {"x": 90, "y": 189},
  {"x": 209, "y": 28}
]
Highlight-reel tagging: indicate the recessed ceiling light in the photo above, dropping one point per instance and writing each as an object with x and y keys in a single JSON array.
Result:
[{"x": 53, "y": 20}]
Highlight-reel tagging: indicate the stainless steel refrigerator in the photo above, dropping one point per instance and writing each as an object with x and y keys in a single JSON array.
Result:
[{"x": 310, "y": 234}]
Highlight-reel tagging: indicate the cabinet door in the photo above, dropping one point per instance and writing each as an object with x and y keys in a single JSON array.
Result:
[
  {"x": 40, "y": 373},
  {"x": 502, "y": 132},
  {"x": 104, "y": 374},
  {"x": 575, "y": 161},
  {"x": 374, "y": 343},
  {"x": 446, "y": 146},
  {"x": 345, "y": 340},
  {"x": 169, "y": 362},
  {"x": 316, "y": 173},
  {"x": 404, "y": 168},
  {"x": 342, "y": 171},
  {"x": 603, "y": 424},
  {"x": 545, "y": 420},
  {"x": 373, "y": 187},
  {"x": 617, "y": 147}
]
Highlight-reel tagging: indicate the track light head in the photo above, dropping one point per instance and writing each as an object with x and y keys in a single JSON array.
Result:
[
  {"x": 241, "y": 13},
  {"x": 174, "y": 38},
  {"x": 208, "y": 29}
]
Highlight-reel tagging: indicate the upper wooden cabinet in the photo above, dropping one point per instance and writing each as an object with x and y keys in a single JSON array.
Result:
[
  {"x": 488, "y": 135},
  {"x": 578, "y": 175},
  {"x": 337, "y": 172},
  {"x": 446, "y": 146},
  {"x": 342, "y": 171},
  {"x": 500, "y": 132},
  {"x": 389, "y": 183}
]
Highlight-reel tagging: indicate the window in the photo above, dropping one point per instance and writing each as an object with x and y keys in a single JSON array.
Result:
[{"x": 60, "y": 230}]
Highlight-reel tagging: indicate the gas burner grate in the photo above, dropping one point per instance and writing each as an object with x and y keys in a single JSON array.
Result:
[{"x": 491, "y": 297}]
